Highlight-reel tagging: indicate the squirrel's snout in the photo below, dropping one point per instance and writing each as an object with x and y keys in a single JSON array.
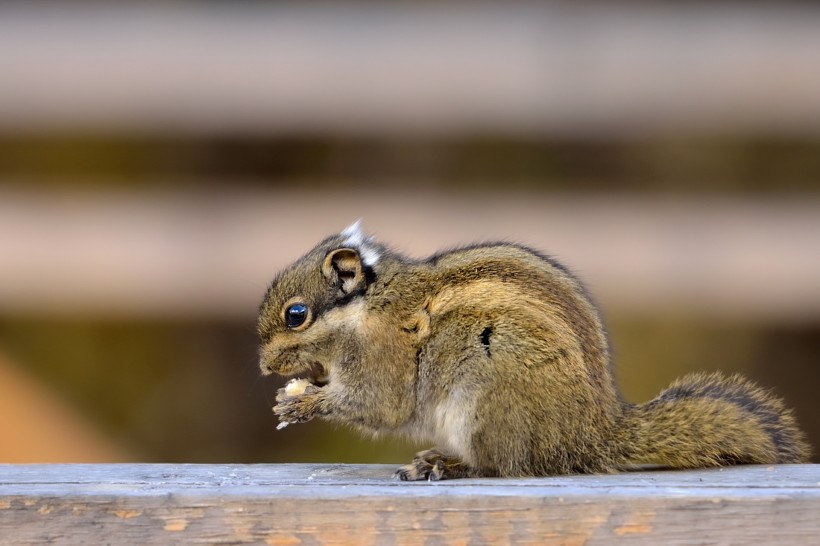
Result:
[{"x": 268, "y": 360}]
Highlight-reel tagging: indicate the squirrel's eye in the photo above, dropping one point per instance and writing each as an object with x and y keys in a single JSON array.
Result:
[{"x": 295, "y": 315}]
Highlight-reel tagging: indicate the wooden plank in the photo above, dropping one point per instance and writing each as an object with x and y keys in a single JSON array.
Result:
[
  {"x": 525, "y": 69},
  {"x": 213, "y": 253},
  {"x": 361, "y": 504}
]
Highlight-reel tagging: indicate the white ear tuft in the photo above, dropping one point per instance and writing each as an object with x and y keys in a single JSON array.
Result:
[
  {"x": 354, "y": 237},
  {"x": 370, "y": 256},
  {"x": 353, "y": 233}
]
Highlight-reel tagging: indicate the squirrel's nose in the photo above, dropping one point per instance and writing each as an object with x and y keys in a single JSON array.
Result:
[
  {"x": 268, "y": 364},
  {"x": 266, "y": 361}
]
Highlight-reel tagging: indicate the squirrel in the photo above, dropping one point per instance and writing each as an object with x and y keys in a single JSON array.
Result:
[{"x": 497, "y": 354}]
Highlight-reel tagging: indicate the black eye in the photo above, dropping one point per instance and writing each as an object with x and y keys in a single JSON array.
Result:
[{"x": 295, "y": 315}]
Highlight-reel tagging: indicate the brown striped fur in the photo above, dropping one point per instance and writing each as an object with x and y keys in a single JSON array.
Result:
[{"x": 495, "y": 353}]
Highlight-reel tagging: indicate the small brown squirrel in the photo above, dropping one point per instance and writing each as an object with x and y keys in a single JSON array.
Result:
[{"x": 495, "y": 353}]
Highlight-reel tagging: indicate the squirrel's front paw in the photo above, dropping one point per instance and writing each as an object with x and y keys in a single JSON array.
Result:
[{"x": 299, "y": 408}]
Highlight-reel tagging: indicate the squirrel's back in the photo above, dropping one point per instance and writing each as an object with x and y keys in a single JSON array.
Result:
[{"x": 700, "y": 420}]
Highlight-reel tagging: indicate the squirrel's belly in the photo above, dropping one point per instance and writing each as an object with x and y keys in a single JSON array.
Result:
[{"x": 452, "y": 419}]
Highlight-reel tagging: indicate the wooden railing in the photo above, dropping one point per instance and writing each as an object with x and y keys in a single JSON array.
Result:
[
  {"x": 361, "y": 504},
  {"x": 199, "y": 253},
  {"x": 537, "y": 70}
]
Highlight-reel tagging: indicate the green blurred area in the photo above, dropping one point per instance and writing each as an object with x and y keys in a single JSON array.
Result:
[{"x": 190, "y": 391}]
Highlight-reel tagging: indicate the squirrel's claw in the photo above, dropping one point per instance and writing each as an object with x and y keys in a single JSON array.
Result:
[
  {"x": 433, "y": 465},
  {"x": 297, "y": 409}
]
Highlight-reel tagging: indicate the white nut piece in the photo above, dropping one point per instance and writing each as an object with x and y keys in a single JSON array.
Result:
[{"x": 295, "y": 387}]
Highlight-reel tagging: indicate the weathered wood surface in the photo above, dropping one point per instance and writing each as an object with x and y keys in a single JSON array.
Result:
[{"x": 362, "y": 504}]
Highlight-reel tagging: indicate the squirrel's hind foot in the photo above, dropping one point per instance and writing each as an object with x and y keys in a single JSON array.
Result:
[{"x": 434, "y": 465}]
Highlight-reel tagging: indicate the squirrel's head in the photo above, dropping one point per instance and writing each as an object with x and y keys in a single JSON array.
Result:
[{"x": 312, "y": 312}]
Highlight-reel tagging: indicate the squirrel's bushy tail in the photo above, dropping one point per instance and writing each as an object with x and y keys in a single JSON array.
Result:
[{"x": 712, "y": 420}]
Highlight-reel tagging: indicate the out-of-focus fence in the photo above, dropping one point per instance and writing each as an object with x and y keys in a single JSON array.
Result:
[
  {"x": 212, "y": 254},
  {"x": 588, "y": 71}
]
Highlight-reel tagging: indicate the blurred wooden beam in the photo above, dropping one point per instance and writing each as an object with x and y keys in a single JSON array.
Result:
[
  {"x": 201, "y": 253},
  {"x": 522, "y": 69}
]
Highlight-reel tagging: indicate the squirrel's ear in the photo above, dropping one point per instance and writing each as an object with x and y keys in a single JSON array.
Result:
[{"x": 345, "y": 265}]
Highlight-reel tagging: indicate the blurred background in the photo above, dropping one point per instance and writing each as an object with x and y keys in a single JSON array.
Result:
[{"x": 160, "y": 162}]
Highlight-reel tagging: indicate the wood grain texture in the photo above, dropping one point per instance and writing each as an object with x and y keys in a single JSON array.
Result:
[{"x": 362, "y": 504}]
